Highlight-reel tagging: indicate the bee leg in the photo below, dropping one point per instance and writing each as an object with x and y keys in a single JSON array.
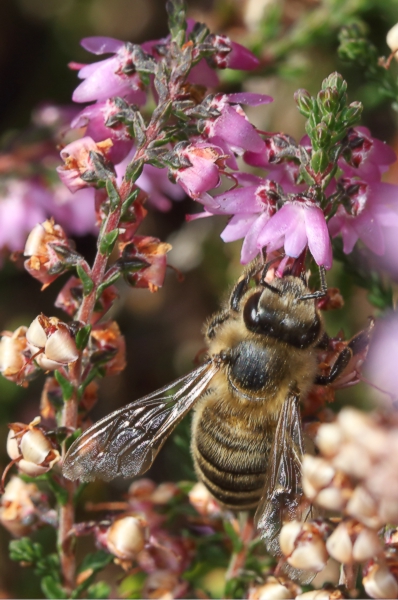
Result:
[
  {"x": 324, "y": 287},
  {"x": 242, "y": 285},
  {"x": 342, "y": 360}
]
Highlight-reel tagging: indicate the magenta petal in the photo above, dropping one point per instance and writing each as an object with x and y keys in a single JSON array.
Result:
[
  {"x": 101, "y": 45},
  {"x": 88, "y": 70},
  {"x": 249, "y": 98},
  {"x": 239, "y": 200},
  {"x": 369, "y": 230},
  {"x": 278, "y": 224},
  {"x": 249, "y": 247},
  {"x": 237, "y": 227},
  {"x": 350, "y": 237},
  {"x": 241, "y": 58},
  {"x": 202, "y": 74},
  {"x": 237, "y": 131},
  {"x": 318, "y": 236},
  {"x": 382, "y": 153},
  {"x": 296, "y": 238},
  {"x": 102, "y": 84}
]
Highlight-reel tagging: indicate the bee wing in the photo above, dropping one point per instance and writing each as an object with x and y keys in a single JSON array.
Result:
[
  {"x": 127, "y": 441},
  {"x": 283, "y": 498}
]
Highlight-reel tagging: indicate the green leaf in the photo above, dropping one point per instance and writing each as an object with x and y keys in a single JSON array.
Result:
[
  {"x": 73, "y": 436},
  {"x": 96, "y": 561},
  {"x": 234, "y": 537},
  {"x": 86, "y": 280},
  {"x": 108, "y": 281},
  {"x": 132, "y": 584},
  {"x": 129, "y": 201},
  {"x": 82, "y": 337},
  {"x": 108, "y": 241},
  {"x": 134, "y": 170},
  {"x": 98, "y": 590},
  {"x": 59, "y": 492},
  {"x": 52, "y": 588},
  {"x": 24, "y": 550},
  {"x": 113, "y": 195},
  {"x": 65, "y": 385}
]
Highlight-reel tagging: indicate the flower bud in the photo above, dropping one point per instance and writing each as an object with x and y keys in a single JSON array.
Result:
[
  {"x": 329, "y": 438},
  {"x": 303, "y": 546},
  {"x": 315, "y": 595},
  {"x": 164, "y": 493},
  {"x": 322, "y": 485},
  {"x": 109, "y": 347},
  {"x": 18, "y": 510},
  {"x": 14, "y": 355},
  {"x": 353, "y": 460},
  {"x": 203, "y": 501},
  {"x": 78, "y": 163},
  {"x": 379, "y": 582},
  {"x": 353, "y": 542},
  {"x": 143, "y": 262},
  {"x": 164, "y": 584},
  {"x": 363, "y": 507},
  {"x": 392, "y": 38},
  {"x": 34, "y": 450},
  {"x": 272, "y": 589},
  {"x": 126, "y": 537},
  {"x": 44, "y": 263},
  {"x": 51, "y": 342}
]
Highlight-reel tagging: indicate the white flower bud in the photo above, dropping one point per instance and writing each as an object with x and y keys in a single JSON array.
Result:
[
  {"x": 126, "y": 537},
  {"x": 37, "y": 456},
  {"x": 359, "y": 427},
  {"x": 164, "y": 493},
  {"x": 12, "y": 446},
  {"x": 380, "y": 583},
  {"x": 271, "y": 590},
  {"x": 329, "y": 439},
  {"x": 34, "y": 241},
  {"x": 61, "y": 346},
  {"x": 303, "y": 546},
  {"x": 388, "y": 509},
  {"x": 392, "y": 38},
  {"x": 366, "y": 546},
  {"x": 142, "y": 488},
  {"x": 353, "y": 460},
  {"x": 317, "y": 474},
  {"x": 11, "y": 347},
  {"x": 36, "y": 335},
  {"x": 339, "y": 544},
  {"x": 332, "y": 498},
  {"x": 364, "y": 508},
  {"x": 314, "y": 595},
  {"x": 203, "y": 501},
  {"x": 35, "y": 447}
]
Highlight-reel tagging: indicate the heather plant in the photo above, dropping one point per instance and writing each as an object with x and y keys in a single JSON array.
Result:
[{"x": 156, "y": 127}]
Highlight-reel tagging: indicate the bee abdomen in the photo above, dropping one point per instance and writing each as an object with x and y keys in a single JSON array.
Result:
[{"x": 230, "y": 458}]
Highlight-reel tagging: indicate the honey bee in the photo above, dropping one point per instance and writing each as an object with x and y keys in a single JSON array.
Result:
[{"x": 247, "y": 439}]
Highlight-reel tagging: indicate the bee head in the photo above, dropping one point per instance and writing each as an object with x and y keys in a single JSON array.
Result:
[{"x": 277, "y": 310}]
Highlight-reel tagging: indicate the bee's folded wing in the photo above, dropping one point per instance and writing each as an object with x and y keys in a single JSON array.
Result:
[{"x": 127, "y": 441}]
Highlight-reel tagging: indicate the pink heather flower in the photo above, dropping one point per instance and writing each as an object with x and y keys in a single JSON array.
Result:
[
  {"x": 113, "y": 76},
  {"x": 231, "y": 55},
  {"x": 232, "y": 126},
  {"x": 22, "y": 206},
  {"x": 203, "y": 174},
  {"x": 75, "y": 212},
  {"x": 372, "y": 206},
  {"x": 299, "y": 222},
  {"x": 381, "y": 362},
  {"x": 251, "y": 206},
  {"x": 370, "y": 158},
  {"x": 76, "y": 157},
  {"x": 94, "y": 118}
]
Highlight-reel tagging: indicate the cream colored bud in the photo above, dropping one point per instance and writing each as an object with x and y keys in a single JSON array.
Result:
[
  {"x": 380, "y": 583},
  {"x": 61, "y": 346},
  {"x": 303, "y": 546},
  {"x": 126, "y": 537},
  {"x": 34, "y": 241},
  {"x": 142, "y": 488},
  {"x": 366, "y": 546},
  {"x": 360, "y": 428},
  {"x": 271, "y": 590},
  {"x": 388, "y": 510},
  {"x": 363, "y": 507},
  {"x": 314, "y": 595},
  {"x": 11, "y": 347},
  {"x": 161, "y": 584},
  {"x": 202, "y": 500},
  {"x": 35, "y": 447},
  {"x": 329, "y": 439},
  {"x": 332, "y": 498},
  {"x": 164, "y": 493},
  {"x": 353, "y": 460},
  {"x": 12, "y": 445},
  {"x": 339, "y": 544},
  {"x": 317, "y": 474},
  {"x": 36, "y": 335},
  {"x": 392, "y": 38}
]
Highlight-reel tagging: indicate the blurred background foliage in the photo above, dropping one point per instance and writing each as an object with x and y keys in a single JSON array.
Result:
[{"x": 297, "y": 41}]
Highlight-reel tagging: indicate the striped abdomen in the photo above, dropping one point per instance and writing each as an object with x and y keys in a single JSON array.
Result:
[{"x": 230, "y": 447}]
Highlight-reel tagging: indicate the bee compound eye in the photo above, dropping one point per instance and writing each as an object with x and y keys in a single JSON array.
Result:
[{"x": 250, "y": 312}]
